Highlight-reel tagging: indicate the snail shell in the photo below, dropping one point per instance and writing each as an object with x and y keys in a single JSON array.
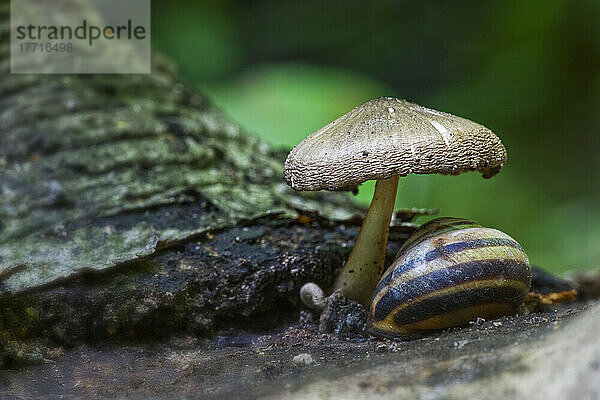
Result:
[{"x": 449, "y": 272}]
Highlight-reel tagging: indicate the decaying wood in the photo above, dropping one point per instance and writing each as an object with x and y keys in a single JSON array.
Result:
[{"x": 132, "y": 209}]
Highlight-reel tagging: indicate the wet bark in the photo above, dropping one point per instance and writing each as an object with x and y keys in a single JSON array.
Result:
[{"x": 111, "y": 190}]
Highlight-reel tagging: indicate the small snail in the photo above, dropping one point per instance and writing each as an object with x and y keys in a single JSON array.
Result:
[{"x": 449, "y": 272}]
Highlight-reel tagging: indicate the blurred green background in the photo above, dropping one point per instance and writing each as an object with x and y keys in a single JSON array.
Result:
[{"x": 529, "y": 70}]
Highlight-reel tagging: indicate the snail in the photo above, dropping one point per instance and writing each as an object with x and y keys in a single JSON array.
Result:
[{"x": 449, "y": 272}]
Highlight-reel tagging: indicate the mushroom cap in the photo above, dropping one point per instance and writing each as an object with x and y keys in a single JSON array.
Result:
[{"x": 388, "y": 136}]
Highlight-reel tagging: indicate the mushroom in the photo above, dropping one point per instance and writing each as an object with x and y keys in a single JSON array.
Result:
[
  {"x": 312, "y": 296},
  {"x": 383, "y": 139}
]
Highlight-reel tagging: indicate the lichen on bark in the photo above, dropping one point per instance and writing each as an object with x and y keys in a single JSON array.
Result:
[{"x": 100, "y": 170}]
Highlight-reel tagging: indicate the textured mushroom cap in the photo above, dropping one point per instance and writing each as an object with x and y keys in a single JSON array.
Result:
[{"x": 387, "y": 136}]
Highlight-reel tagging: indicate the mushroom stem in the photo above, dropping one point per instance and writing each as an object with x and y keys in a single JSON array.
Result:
[{"x": 365, "y": 264}]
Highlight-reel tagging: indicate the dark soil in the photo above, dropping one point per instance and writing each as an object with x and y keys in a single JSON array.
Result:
[{"x": 245, "y": 364}]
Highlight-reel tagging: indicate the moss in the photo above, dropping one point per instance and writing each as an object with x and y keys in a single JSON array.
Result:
[{"x": 18, "y": 320}]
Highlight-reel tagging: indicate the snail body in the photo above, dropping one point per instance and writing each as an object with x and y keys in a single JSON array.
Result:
[{"x": 449, "y": 272}]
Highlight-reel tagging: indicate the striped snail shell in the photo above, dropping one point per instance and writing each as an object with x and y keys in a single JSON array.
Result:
[{"x": 449, "y": 272}]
